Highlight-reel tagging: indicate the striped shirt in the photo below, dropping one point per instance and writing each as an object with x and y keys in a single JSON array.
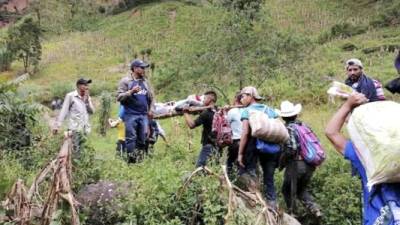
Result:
[{"x": 379, "y": 89}]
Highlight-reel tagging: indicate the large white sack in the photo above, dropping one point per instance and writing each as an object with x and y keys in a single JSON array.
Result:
[
  {"x": 267, "y": 129},
  {"x": 374, "y": 129}
]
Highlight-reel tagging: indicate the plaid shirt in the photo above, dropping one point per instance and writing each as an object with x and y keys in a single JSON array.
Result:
[{"x": 292, "y": 145}]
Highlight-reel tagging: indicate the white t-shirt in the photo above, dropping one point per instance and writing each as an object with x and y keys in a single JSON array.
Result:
[{"x": 235, "y": 122}]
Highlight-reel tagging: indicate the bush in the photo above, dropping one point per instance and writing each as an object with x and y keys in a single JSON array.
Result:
[
  {"x": 17, "y": 118},
  {"x": 5, "y": 59},
  {"x": 388, "y": 17},
  {"x": 104, "y": 112},
  {"x": 24, "y": 42},
  {"x": 342, "y": 30}
]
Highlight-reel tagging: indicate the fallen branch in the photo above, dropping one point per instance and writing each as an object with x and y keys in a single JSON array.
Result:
[
  {"x": 20, "y": 202},
  {"x": 257, "y": 208}
]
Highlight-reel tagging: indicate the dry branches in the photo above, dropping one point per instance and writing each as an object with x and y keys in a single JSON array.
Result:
[{"x": 19, "y": 202}]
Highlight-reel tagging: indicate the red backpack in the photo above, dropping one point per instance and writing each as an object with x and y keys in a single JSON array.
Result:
[{"x": 222, "y": 129}]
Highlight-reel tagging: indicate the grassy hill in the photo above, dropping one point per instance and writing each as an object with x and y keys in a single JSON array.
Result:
[{"x": 292, "y": 54}]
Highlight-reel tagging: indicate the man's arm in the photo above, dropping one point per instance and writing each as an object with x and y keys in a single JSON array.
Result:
[
  {"x": 123, "y": 92},
  {"x": 332, "y": 130},
  {"x": 189, "y": 121},
  {"x": 243, "y": 141},
  {"x": 63, "y": 113},
  {"x": 89, "y": 105},
  {"x": 151, "y": 96}
]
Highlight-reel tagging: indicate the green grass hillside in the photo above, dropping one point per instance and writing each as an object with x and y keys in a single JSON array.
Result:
[{"x": 291, "y": 52}]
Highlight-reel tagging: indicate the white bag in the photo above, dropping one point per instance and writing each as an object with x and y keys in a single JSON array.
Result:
[
  {"x": 374, "y": 129},
  {"x": 267, "y": 129}
]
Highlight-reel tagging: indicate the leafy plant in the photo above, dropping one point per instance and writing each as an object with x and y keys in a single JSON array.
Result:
[
  {"x": 24, "y": 42},
  {"x": 5, "y": 59},
  {"x": 105, "y": 111},
  {"x": 17, "y": 117}
]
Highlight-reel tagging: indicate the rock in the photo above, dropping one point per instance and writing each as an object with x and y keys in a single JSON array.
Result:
[
  {"x": 349, "y": 47},
  {"x": 101, "y": 201},
  {"x": 289, "y": 220}
]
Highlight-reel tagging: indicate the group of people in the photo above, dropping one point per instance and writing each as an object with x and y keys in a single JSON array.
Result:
[{"x": 243, "y": 157}]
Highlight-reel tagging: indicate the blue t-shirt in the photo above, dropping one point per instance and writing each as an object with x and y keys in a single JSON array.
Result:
[
  {"x": 382, "y": 201},
  {"x": 121, "y": 111},
  {"x": 137, "y": 103},
  {"x": 259, "y": 107}
]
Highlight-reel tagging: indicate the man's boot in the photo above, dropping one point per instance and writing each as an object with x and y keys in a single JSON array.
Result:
[{"x": 132, "y": 157}]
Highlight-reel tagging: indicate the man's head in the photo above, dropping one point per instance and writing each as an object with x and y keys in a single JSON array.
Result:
[
  {"x": 236, "y": 100},
  {"x": 249, "y": 95},
  {"x": 83, "y": 85},
  {"x": 289, "y": 111},
  {"x": 210, "y": 97},
  {"x": 138, "y": 67},
  {"x": 354, "y": 69}
]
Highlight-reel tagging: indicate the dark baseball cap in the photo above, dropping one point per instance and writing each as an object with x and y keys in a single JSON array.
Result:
[
  {"x": 139, "y": 63},
  {"x": 83, "y": 81}
]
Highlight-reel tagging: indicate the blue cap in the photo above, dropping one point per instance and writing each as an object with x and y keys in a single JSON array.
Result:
[{"x": 139, "y": 63}]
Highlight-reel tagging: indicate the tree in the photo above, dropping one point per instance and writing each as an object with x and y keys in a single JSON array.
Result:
[{"x": 24, "y": 42}]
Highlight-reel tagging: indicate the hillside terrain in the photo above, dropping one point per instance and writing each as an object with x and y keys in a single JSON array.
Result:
[{"x": 292, "y": 50}]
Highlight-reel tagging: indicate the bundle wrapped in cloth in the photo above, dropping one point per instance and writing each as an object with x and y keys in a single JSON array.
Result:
[
  {"x": 268, "y": 129},
  {"x": 339, "y": 89},
  {"x": 374, "y": 129}
]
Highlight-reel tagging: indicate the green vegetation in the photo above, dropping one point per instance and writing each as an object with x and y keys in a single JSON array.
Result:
[
  {"x": 275, "y": 45},
  {"x": 23, "y": 42}
]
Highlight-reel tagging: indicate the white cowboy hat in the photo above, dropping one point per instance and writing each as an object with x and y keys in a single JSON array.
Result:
[{"x": 288, "y": 109}]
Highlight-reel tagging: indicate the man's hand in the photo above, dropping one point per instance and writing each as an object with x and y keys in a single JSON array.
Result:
[
  {"x": 356, "y": 99},
  {"x": 150, "y": 114},
  {"x": 135, "y": 89},
  {"x": 186, "y": 109},
  {"x": 86, "y": 96},
  {"x": 240, "y": 160}
]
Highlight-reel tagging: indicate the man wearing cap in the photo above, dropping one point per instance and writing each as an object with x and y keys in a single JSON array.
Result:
[
  {"x": 77, "y": 106},
  {"x": 136, "y": 96},
  {"x": 248, "y": 153},
  {"x": 298, "y": 173},
  {"x": 356, "y": 78}
]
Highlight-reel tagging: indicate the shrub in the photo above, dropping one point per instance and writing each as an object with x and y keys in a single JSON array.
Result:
[
  {"x": 342, "y": 30},
  {"x": 104, "y": 113},
  {"x": 388, "y": 17},
  {"x": 24, "y": 42},
  {"x": 17, "y": 117},
  {"x": 5, "y": 59}
]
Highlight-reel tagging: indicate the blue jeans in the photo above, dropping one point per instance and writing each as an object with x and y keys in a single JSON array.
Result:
[
  {"x": 205, "y": 153},
  {"x": 135, "y": 132},
  {"x": 268, "y": 163}
]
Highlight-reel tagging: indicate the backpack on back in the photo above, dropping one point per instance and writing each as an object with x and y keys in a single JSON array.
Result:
[
  {"x": 310, "y": 147},
  {"x": 222, "y": 129}
]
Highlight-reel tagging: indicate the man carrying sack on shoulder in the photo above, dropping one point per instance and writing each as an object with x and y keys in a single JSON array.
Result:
[{"x": 248, "y": 152}]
